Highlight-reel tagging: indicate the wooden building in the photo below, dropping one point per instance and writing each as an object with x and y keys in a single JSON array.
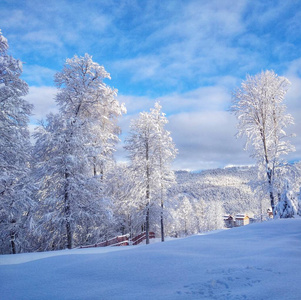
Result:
[
  {"x": 228, "y": 221},
  {"x": 241, "y": 220}
]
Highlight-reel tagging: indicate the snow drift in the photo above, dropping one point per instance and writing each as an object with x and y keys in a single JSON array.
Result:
[{"x": 259, "y": 261}]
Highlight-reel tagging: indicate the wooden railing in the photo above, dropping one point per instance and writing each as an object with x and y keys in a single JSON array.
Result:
[
  {"x": 141, "y": 237},
  {"x": 123, "y": 240}
]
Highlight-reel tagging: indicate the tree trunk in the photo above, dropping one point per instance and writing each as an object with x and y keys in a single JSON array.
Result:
[
  {"x": 260, "y": 205},
  {"x": 67, "y": 214},
  {"x": 94, "y": 166},
  {"x": 147, "y": 211},
  {"x": 147, "y": 193},
  {"x": 69, "y": 234},
  {"x": 162, "y": 222},
  {"x": 269, "y": 170},
  {"x": 269, "y": 174},
  {"x": 161, "y": 193},
  {"x": 12, "y": 243},
  {"x": 147, "y": 226}
]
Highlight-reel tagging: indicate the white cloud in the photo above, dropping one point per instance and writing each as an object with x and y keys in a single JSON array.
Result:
[
  {"x": 15, "y": 18},
  {"x": 43, "y": 100},
  {"x": 203, "y": 132},
  {"x": 135, "y": 104},
  {"x": 206, "y": 140},
  {"x": 189, "y": 54},
  {"x": 195, "y": 40},
  {"x": 142, "y": 68},
  {"x": 37, "y": 74},
  {"x": 293, "y": 98},
  {"x": 43, "y": 37},
  {"x": 209, "y": 98}
]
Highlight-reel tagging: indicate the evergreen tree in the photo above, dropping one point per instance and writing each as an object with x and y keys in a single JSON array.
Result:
[
  {"x": 72, "y": 150},
  {"x": 166, "y": 153},
  {"x": 15, "y": 150},
  {"x": 299, "y": 202},
  {"x": 286, "y": 207},
  {"x": 151, "y": 151},
  {"x": 122, "y": 190}
]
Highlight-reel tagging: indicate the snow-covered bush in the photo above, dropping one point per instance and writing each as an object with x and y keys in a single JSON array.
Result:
[{"x": 286, "y": 206}]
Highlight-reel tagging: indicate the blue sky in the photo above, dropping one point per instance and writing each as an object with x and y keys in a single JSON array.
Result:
[{"x": 190, "y": 55}]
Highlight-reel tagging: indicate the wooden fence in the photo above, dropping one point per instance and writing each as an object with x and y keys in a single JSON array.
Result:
[
  {"x": 141, "y": 237},
  {"x": 123, "y": 240}
]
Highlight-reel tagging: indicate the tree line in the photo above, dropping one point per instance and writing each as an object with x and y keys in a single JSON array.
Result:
[{"x": 66, "y": 190}]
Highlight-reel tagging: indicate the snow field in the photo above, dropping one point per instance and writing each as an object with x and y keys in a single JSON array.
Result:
[{"x": 258, "y": 261}]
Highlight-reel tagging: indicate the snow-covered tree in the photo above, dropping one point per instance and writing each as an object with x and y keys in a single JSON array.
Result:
[
  {"x": 193, "y": 216},
  {"x": 151, "y": 151},
  {"x": 72, "y": 151},
  {"x": 286, "y": 206},
  {"x": 67, "y": 191},
  {"x": 213, "y": 214},
  {"x": 184, "y": 218},
  {"x": 262, "y": 119},
  {"x": 15, "y": 149},
  {"x": 166, "y": 153},
  {"x": 122, "y": 190},
  {"x": 85, "y": 97},
  {"x": 299, "y": 202}
]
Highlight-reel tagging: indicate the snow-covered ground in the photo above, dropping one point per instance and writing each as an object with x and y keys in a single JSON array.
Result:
[{"x": 259, "y": 261}]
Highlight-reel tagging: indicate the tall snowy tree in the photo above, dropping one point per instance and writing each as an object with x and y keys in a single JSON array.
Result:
[
  {"x": 262, "y": 119},
  {"x": 151, "y": 152},
  {"x": 72, "y": 150},
  {"x": 166, "y": 153},
  {"x": 15, "y": 201}
]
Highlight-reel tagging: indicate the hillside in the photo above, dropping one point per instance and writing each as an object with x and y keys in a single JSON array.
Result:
[
  {"x": 230, "y": 186},
  {"x": 258, "y": 261}
]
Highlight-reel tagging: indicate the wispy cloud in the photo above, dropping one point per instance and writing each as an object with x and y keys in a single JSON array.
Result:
[
  {"x": 189, "y": 55},
  {"x": 43, "y": 100},
  {"x": 37, "y": 75},
  {"x": 194, "y": 40}
]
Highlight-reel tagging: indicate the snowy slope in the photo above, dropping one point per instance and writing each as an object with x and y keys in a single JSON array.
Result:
[
  {"x": 259, "y": 261},
  {"x": 229, "y": 186}
]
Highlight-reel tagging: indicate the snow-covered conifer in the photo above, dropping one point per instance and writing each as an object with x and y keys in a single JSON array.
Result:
[
  {"x": 121, "y": 188},
  {"x": 166, "y": 153},
  {"x": 185, "y": 220},
  {"x": 192, "y": 216},
  {"x": 15, "y": 149},
  {"x": 151, "y": 151},
  {"x": 299, "y": 202},
  {"x": 72, "y": 151},
  {"x": 286, "y": 207}
]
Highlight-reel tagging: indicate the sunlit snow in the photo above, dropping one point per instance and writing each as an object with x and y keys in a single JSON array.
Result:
[{"x": 259, "y": 261}]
